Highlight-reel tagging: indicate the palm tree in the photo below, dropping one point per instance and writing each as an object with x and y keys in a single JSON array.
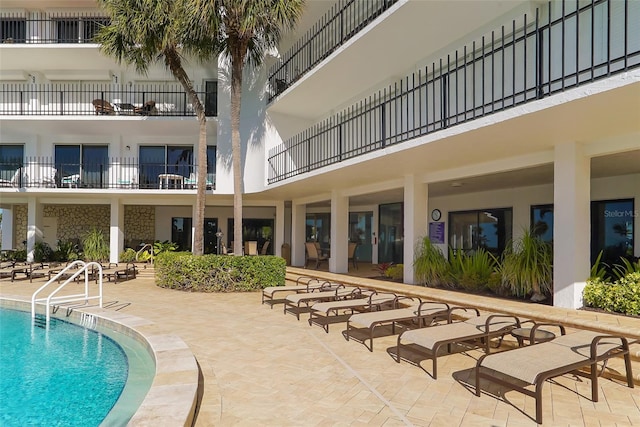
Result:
[
  {"x": 245, "y": 30},
  {"x": 145, "y": 31}
]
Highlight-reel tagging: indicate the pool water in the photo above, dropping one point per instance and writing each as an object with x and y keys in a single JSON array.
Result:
[{"x": 64, "y": 376}]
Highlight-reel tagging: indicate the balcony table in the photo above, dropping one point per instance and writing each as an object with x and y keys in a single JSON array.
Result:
[{"x": 176, "y": 180}]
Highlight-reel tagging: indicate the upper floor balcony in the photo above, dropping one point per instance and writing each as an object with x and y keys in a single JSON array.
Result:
[
  {"x": 73, "y": 99},
  {"x": 97, "y": 172},
  {"x": 50, "y": 27},
  {"x": 566, "y": 45}
]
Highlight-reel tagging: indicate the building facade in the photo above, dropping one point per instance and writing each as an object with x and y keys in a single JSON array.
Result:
[{"x": 378, "y": 121}]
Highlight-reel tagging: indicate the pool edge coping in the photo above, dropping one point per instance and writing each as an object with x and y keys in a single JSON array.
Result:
[{"x": 172, "y": 397}]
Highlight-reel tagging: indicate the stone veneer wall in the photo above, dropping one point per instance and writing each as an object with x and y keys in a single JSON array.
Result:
[
  {"x": 19, "y": 226},
  {"x": 74, "y": 221},
  {"x": 139, "y": 225}
]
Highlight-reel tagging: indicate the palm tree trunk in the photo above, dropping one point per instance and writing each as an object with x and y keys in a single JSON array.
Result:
[
  {"x": 237, "y": 61},
  {"x": 175, "y": 65}
]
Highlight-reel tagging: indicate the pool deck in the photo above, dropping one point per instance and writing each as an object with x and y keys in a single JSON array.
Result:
[{"x": 261, "y": 367}]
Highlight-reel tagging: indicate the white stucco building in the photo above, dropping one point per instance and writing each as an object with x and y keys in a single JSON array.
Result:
[{"x": 377, "y": 121}]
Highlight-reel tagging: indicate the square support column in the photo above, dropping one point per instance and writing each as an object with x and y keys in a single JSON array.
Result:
[
  {"x": 116, "y": 233},
  {"x": 572, "y": 228},
  {"x": 298, "y": 238},
  {"x": 415, "y": 222},
  {"x": 34, "y": 233},
  {"x": 338, "y": 262},
  {"x": 278, "y": 238}
]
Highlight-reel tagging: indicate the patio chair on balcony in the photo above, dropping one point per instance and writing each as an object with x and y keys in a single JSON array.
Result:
[
  {"x": 13, "y": 182},
  {"x": 71, "y": 181},
  {"x": 148, "y": 109},
  {"x": 103, "y": 107},
  {"x": 40, "y": 176},
  {"x": 192, "y": 181}
]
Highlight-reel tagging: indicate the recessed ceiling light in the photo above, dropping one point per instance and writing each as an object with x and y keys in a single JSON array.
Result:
[{"x": 456, "y": 184}]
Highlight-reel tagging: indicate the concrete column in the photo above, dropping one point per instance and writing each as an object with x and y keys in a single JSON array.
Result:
[
  {"x": 415, "y": 222},
  {"x": 278, "y": 238},
  {"x": 34, "y": 218},
  {"x": 116, "y": 230},
  {"x": 338, "y": 262},
  {"x": 7, "y": 229},
  {"x": 572, "y": 228},
  {"x": 298, "y": 238}
]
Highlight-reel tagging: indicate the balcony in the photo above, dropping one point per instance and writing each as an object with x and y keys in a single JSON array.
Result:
[
  {"x": 565, "y": 46},
  {"x": 115, "y": 173},
  {"x": 341, "y": 23},
  {"x": 53, "y": 28},
  {"x": 84, "y": 99}
]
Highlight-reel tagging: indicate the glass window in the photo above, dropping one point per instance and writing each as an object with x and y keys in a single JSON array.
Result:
[
  {"x": 13, "y": 30},
  {"x": 91, "y": 26},
  {"x": 157, "y": 160},
  {"x": 11, "y": 159},
  {"x": 181, "y": 233},
  {"x": 68, "y": 30},
  {"x": 542, "y": 222},
  {"x": 489, "y": 229},
  {"x": 612, "y": 230},
  {"x": 391, "y": 233},
  {"x": 253, "y": 229},
  {"x": 211, "y": 98},
  {"x": 211, "y": 164},
  {"x": 82, "y": 165},
  {"x": 318, "y": 229}
]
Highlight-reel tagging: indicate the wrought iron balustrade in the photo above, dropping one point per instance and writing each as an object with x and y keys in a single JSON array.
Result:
[
  {"x": 343, "y": 21},
  {"x": 102, "y": 99},
  {"x": 47, "y": 28},
  {"x": 113, "y": 173},
  {"x": 566, "y": 45}
]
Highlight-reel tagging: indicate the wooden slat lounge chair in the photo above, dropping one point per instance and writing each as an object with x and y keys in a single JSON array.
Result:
[
  {"x": 103, "y": 107},
  {"x": 534, "y": 364},
  {"x": 420, "y": 313},
  {"x": 40, "y": 270},
  {"x": 478, "y": 328},
  {"x": 130, "y": 271},
  {"x": 303, "y": 284},
  {"x": 13, "y": 271},
  {"x": 330, "y": 291},
  {"x": 325, "y": 313}
]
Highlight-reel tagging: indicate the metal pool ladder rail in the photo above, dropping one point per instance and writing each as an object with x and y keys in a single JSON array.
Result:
[{"x": 52, "y": 298}]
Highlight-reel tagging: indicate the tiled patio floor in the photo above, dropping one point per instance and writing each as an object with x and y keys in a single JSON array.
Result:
[{"x": 263, "y": 368}]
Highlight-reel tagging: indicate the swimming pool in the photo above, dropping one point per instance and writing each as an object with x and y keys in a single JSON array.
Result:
[{"x": 68, "y": 375}]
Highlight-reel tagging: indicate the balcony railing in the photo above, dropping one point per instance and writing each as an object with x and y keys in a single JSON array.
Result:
[
  {"x": 343, "y": 21},
  {"x": 113, "y": 173},
  {"x": 529, "y": 60},
  {"x": 102, "y": 99},
  {"x": 45, "y": 28}
]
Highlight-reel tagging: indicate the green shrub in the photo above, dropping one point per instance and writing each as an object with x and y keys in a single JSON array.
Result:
[
  {"x": 471, "y": 272},
  {"x": 67, "y": 250},
  {"x": 395, "y": 272},
  {"x": 621, "y": 296},
  {"x": 218, "y": 273},
  {"x": 527, "y": 266},
  {"x": 129, "y": 255},
  {"x": 430, "y": 266},
  {"x": 42, "y": 252},
  {"x": 95, "y": 246}
]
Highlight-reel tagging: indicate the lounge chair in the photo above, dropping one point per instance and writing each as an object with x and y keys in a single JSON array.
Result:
[
  {"x": 352, "y": 254},
  {"x": 15, "y": 180},
  {"x": 314, "y": 253},
  {"x": 148, "y": 109},
  {"x": 303, "y": 284},
  {"x": 329, "y": 291},
  {"x": 477, "y": 328},
  {"x": 325, "y": 313},
  {"x": 12, "y": 271},
  {"x": 130, "y": 271},
  {"x": 419, "y": 313},
  {"x": 41, "y": 270},
  {"x": 103, "y": 107},
  {"x": 265, "y": 247},
  {"x": 534, "y": 364}
]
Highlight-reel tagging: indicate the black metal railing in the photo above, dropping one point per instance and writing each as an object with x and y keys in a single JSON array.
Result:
[
  {"x": 47, "y": 28},
  {"x": 102, "y": 99},
  {"x": 112, "y": 173},
  {"x": 343, "y": 21},
  {"x": 576, "y": 44}
]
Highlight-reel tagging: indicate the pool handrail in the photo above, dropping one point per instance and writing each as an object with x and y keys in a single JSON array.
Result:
[{"x": 68, "y": 298}]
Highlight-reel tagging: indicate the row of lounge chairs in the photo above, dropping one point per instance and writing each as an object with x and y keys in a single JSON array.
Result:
[
  {"x": 432, "y": 326},
  {"x": 37, "y": 270}
]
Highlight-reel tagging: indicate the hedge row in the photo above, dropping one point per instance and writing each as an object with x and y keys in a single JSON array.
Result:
[{"x": 218, "y": 273}]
